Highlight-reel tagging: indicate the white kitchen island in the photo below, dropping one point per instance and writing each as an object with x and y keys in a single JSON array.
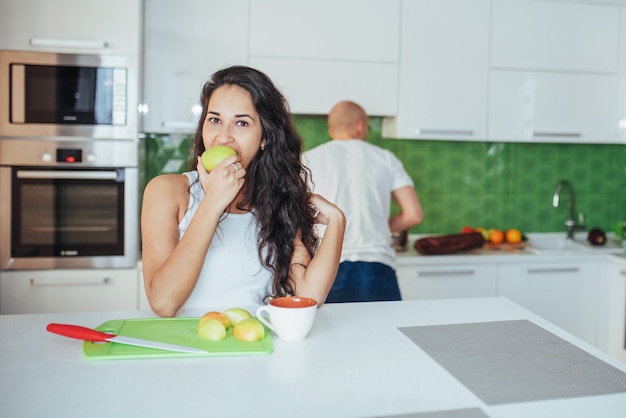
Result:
[{"x": 360, "y": 360}]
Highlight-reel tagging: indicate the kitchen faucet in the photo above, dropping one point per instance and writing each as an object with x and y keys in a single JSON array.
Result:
[{"x": 570, "y": 223}]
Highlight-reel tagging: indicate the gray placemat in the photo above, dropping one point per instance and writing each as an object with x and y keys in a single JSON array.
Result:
[
  {"x": 516, "y": 361},
  {"x": 452, "y": 413}
]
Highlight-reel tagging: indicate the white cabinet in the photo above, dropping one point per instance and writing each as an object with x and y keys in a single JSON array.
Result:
[
  {"x": 621, "y": 94},
  {"x": 449, "y": 281},
  {"x": 555, "y": 36},
  {"x": 553, "y": 107},
  {"x": 555, "y": 72},
  {"x": 325, "y": 51},
  {"x": 67, "y": 291},
  {"x": 565, "y": 293},
  {"x": 612, "y": 310},
  {"x": 444, "y": 71},
  {"x": 72, "y": 26},
  {"x": 184, "y": 43}
]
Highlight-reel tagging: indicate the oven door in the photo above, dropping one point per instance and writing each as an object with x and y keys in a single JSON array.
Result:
[{"x": 69, "y": 218}]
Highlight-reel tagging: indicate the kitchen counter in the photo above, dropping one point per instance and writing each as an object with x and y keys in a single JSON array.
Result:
[
  {"x": 361, "y": 359},
  {"x": 488, "y": 255}
]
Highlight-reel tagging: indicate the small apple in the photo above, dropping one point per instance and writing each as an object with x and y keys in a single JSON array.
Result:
[
  {"x": 215, "y": 155},
  {"x": 249, "y": 329},
  {"x": 236, "y": 315},
  {"x": 215, "y": 315},
  {"x": 212, "y": 330}
]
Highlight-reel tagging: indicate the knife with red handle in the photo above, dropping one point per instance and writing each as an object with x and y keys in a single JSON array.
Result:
[{"x": 88, "y": 334}]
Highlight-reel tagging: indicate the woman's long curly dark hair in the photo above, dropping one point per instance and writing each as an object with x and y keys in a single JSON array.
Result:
[{"x": 276, "y": 186}]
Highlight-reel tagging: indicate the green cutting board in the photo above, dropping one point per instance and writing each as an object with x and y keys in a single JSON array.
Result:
[{"x": 181, "y": 331}]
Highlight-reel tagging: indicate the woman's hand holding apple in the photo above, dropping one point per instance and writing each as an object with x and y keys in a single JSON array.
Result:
[{"x": 224, "y": 181}]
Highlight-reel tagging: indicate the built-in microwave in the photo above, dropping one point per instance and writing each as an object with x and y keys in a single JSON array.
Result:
[{"x": 49, "y": 95}]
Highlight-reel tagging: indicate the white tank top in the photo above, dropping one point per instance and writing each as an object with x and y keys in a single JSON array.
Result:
[{"x": 232, "y": 275}]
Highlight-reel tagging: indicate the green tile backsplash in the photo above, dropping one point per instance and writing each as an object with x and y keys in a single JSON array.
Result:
[{"x": 489, "y": 184}]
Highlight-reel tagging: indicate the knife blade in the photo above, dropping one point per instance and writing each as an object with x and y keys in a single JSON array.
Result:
[{"x": 89, "y": 334}]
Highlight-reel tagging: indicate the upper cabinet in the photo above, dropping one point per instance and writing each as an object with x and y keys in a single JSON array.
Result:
[
  {"x": 443, "y": 75},
  {"x": 325, "y": 51},
  {"x": 512, "y": 70},
  {"x": 554, "y": 72},
  {"x": 495, "y": 70},
  {"x": 555, "y": 36},
  {"x": 553, "y": 107},
  {"x": 184, "y": 43},
  {"x": 71, "y": 26}
]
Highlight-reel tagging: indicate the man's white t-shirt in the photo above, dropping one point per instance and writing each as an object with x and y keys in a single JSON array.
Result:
[{"x": 359, "y": 177}]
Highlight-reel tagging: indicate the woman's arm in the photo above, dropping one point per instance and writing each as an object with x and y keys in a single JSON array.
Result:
[
  {"x": 171, "y": 267},
  {"x": 313, "y": 277}
]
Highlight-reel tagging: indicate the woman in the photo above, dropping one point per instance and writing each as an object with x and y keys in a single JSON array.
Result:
[{"x": 245, "y": 231}]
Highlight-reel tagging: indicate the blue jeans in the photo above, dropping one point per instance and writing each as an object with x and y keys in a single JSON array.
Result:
[{"x": 359, "y": 281}]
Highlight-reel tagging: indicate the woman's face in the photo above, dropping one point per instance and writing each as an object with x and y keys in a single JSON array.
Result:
[{"x": 232, "y": 120}]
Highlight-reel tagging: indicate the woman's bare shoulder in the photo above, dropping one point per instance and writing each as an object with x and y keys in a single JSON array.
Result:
[{"x": 168, "y": 183}]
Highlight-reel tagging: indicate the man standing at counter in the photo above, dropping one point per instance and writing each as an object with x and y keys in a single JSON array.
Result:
[{"x": 361, "y": 179}]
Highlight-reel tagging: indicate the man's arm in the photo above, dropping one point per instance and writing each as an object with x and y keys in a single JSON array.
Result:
[{"x": 410, "y": 209}]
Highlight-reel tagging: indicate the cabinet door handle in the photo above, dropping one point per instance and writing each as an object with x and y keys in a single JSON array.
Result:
[
  {"x": 558, "y": 134},
  {"x": 553, "y": 270},
  {"x": 67, "y": 175},
  {"x": 451, "y": 132},
  {"x": 69, "y": 43},
  {"x": 446, "y": 273},
  {"x": 82, "y": 281}
]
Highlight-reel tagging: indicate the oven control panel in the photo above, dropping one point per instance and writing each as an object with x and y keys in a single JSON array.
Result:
[{"x": 69, "y": 155}]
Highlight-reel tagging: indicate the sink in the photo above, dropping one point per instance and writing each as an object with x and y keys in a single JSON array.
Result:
[
  {"x": 549, "y": 242},
  {"x": 558, "y": 243}
]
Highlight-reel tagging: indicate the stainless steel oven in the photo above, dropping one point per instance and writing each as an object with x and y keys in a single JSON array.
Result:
[
  {"x": 50, "y": 95},
  {"x": 68, "y": 204}
]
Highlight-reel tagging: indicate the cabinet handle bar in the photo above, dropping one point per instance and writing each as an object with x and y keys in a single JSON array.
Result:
[
  {"x": 100, "y": 281},
  {"x": 455, "y": 132},
  {"x": 558, "y": 134},
  {"x": 553, "y": 270},
  {"x": 446, "y": 273},
  {"x": 68, "y": 43}
]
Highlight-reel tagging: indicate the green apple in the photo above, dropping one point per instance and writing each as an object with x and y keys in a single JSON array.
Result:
[
  {"x": 215, "y": 155},
  {"x": 212, "y": 330},
  {"x": 249, "y": 329},
  {"x": 215, "y": 315},
  {"x": 236, "y": 315}
]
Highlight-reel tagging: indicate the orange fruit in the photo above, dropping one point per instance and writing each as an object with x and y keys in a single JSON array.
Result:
[
  {"x": 496, "y": 236},
  {"x": 513, "y": 236}
]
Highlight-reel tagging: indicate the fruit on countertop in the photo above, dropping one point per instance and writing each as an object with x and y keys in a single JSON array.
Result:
[
  {"x": 596, "y": 237},
  {"x": 214, "y": 325},
  {"x": 496, "y": 236},
  {"x": 211, "y": 157},
  {"x": 249, "y": 329},
  {"x": 236, "y": 315},
  {"x": 211, "y": 329},
  {"x": 215, "y": 315},
  {"x": 513, "y": 236}
]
